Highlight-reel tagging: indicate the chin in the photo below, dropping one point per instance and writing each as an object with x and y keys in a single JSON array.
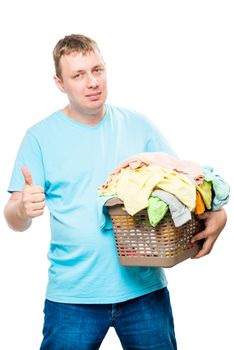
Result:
[
  {"x": 98, "y": 104},
  {"x": 95, "y": 108}
]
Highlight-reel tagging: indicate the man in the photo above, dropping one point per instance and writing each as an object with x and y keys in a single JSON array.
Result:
[{"x": 61, "y": 162}]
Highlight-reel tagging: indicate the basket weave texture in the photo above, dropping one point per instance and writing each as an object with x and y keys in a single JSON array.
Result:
[{"x": 140, "y": 244}]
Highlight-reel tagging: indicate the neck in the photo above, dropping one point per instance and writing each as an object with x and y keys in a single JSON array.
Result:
[{"x": 84, "y": 117}]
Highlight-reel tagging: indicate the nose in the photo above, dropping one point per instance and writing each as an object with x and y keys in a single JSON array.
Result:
[{"x": 92, "y": 82}]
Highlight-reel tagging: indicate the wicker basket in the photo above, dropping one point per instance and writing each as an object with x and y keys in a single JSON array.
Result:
[{"x": 140, "y": 244}]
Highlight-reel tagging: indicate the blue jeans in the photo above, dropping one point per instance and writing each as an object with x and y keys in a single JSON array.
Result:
[{"x": 141, "y": 323}]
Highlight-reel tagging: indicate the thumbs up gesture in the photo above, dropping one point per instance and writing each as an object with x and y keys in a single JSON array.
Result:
[{"x": 33, "y": 197}]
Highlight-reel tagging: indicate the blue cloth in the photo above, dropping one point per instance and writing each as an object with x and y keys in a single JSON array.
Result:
[
  {"x": 85, "y": 326},
  {"x": 103, "y": 217},
  {"x": 70, "y": 160},
  {"x": 220, "y": 187}
]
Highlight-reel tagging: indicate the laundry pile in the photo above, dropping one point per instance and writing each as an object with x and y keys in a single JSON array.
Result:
[{"x": 160, "y": 182}]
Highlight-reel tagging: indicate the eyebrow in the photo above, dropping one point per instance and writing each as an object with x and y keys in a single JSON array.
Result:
[
  {"x": 83, "y": 70},
  {"x": 77, "y": 71}
]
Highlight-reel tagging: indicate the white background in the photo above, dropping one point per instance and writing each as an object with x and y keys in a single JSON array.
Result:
[{"x": 173, "y": 61}]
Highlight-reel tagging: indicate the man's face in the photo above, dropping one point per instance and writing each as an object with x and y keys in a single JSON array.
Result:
[{"x": 84, "y": 81}]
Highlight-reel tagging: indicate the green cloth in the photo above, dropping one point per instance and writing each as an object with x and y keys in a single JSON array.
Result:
[
  {"x": 206, "y": 192},
  {"x": 156, "y": 210}
]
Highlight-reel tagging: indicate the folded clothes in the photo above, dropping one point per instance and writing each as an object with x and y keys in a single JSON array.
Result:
[
  {"x": 200, "y": 205},
  {"x": 102, "y": 212},
  {"x": 179, "y": 212},
  {"x": 205, "y": 190},
  {"x": 158, "y": 181},
  {"x": 220, "y": 188},
  {"x": 161, "y": 159},
  {"x": 134, "y": 187},
  {"x": 156, "y": 210}
]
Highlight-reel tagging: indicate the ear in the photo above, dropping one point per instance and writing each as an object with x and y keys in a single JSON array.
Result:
[{"x": 59, "y": 83}]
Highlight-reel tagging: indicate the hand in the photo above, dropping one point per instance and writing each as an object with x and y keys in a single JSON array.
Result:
[
  {"x": 32, "y": 202},
  {"x": 214, "y": 224}
]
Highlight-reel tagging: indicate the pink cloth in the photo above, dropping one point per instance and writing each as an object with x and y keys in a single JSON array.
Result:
[{"x": 161, "y": 159}]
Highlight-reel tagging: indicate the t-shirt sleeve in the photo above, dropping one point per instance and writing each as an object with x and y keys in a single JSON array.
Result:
[
  {"x": 156, "y": 141},
  {"x": 29, "y": 155}
]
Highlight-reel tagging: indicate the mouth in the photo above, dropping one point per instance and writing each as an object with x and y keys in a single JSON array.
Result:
[{"x": 94, "y": 95}]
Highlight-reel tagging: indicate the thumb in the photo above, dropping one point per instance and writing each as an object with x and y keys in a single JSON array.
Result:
[
  {"x": 204, "y": 215},
  {"x": 27, "y": 176}
]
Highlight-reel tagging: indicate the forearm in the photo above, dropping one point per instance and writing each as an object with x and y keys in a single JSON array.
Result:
[{"x": 14, "y": 216}]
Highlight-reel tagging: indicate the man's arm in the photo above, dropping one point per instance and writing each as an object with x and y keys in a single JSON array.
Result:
[
  {"x": 25, "y": 205},
  {"x": 215, "y": 221}
]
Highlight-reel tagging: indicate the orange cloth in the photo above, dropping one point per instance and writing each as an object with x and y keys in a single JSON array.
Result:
[{"x": 200, "y": 206}]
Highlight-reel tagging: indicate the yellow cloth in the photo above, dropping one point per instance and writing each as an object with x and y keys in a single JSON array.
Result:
[
  {"x": 134, "y": 187},
  {"x": 205, "y": 190}
]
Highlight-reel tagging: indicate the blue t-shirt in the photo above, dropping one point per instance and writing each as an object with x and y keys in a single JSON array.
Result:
[{"x": 70, "y": 160}]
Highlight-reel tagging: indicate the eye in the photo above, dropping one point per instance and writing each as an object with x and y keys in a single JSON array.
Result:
[
  {"x": 98, "y": 70},
  {"x": 78, "y": 75}
]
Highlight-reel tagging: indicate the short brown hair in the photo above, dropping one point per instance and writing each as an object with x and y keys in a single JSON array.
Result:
[{"x": 69, "y": 44}]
